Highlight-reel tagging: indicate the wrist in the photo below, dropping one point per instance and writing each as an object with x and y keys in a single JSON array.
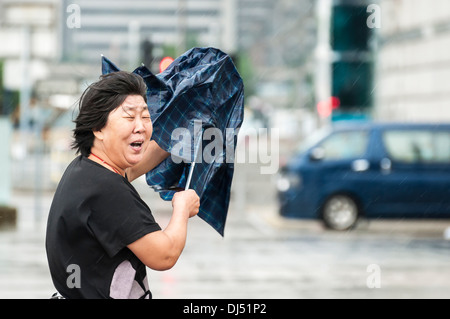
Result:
[{"x": 181, "y": 211}]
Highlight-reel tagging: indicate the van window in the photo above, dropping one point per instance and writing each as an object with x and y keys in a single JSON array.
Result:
[
  {"x": 345, "y": 145},
  {"x": 415, "y": 146}
]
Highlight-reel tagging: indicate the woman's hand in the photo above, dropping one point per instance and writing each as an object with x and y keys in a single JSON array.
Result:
[{"x": 186, "y": 201}]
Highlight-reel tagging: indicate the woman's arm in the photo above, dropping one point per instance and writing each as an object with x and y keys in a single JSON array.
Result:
[
  {"x": 160, "y": 250},
  {"x": 152, "y": 157}
]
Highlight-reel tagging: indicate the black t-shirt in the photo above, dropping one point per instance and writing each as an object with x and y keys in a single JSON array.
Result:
[{"x": 94, "y": 215}]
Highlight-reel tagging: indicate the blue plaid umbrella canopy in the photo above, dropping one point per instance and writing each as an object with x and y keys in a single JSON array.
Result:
[{"x": 202, "y": 93}]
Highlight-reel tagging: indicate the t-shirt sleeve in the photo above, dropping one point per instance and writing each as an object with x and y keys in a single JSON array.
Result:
[{"x": 118, "y": 218}]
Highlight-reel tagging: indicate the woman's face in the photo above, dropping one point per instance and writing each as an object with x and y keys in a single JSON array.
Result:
[{"x": 127, "y": 133}]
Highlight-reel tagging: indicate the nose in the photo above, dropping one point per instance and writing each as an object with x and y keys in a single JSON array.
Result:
[{"x": 139, "y": 127}]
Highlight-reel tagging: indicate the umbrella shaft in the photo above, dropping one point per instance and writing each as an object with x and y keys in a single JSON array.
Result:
[{"x": 191, "y": 170}]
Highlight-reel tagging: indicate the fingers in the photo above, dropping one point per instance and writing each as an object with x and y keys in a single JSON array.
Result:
[
  {"x": 195, "y": 202},
  {"x": 188, "y": 201}
]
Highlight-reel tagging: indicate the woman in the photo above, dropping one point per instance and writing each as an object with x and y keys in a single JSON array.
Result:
[{"x": 100, "y": 234}]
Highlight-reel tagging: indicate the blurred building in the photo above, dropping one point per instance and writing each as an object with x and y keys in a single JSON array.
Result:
[
  {"x": 53, "y": 44},
  {"x": 413, "y": 61},
  {"x": 253, "y": 21},
  {"x": 42, "y": 32},
  {"x": 31, "y": 30},
  {"x": 28, "y": 33},
  {"x": 39, "y": 93},
  {"x": 284, "y": 54},
  {"x": 284, "y": 60},
  {"x": 118, "y": 29}
]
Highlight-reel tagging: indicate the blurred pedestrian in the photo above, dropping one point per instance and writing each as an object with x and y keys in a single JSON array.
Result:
[{"x": 100, "y": 233}]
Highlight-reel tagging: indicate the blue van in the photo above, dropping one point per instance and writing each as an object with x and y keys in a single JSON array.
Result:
[{"x": 369, "y": 170}]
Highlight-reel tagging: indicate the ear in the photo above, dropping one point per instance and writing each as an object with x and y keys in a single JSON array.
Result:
[{"x": 98, "y": 135}]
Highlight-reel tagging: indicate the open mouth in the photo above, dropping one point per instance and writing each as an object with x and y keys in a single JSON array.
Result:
[{"x": 136, "y": 144}]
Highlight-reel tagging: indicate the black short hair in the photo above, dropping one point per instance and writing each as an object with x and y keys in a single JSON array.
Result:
[{"x": 100, "y": 99}]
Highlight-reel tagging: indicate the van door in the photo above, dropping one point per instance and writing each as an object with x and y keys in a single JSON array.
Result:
[
  {"x": 341, "y": 163},
  {"x": 418, "y": 181}
]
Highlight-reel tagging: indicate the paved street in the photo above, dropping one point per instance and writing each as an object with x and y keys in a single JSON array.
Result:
[
  {"x": 261, "y": 256},
  {"x": 266, "y": 259}
]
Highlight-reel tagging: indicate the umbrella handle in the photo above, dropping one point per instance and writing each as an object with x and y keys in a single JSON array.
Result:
[{"x": 191, "y": 170}]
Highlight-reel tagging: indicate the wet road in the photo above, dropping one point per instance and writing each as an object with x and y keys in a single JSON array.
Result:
[
  {"x": 261, "y": 256},
  {"x": 258, "y": 260}
]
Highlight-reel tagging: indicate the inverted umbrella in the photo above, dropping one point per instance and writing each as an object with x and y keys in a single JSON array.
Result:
[{"x": 202, "y": 94}]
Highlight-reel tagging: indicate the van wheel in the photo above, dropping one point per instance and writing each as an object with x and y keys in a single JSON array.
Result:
[{"x": 340, "y": 212}]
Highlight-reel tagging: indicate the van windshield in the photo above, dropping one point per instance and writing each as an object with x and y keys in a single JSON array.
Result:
[
  {"x": 313, "y": 139},
  {"x": 345, "y": 144}
]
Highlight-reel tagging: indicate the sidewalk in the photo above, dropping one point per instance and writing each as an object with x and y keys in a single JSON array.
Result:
[{"x": 23, "y": 264}]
